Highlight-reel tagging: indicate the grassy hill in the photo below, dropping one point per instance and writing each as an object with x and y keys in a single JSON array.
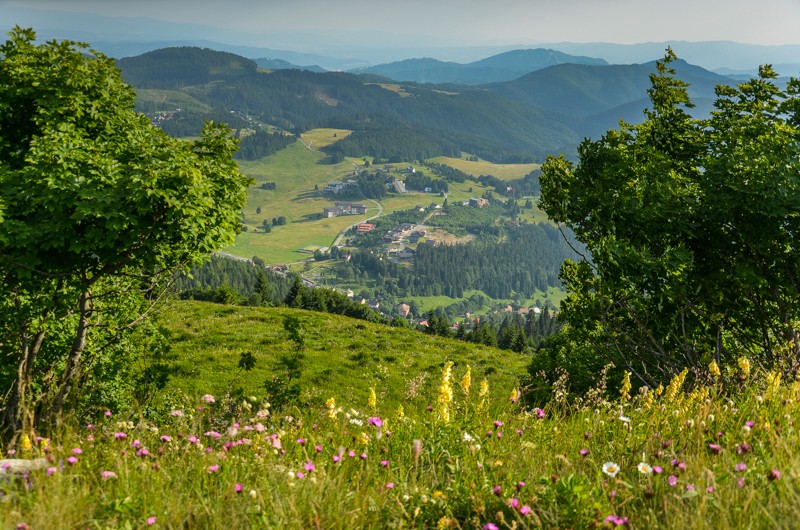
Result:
[{"x": 401, "y": 364}]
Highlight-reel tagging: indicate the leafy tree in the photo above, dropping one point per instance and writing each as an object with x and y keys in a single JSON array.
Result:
[
  {"x": 691, "y": 227},
  {"x": 102, "y": 210}
]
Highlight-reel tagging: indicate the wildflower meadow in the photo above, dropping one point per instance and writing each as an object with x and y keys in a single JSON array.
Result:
[{"x": 475, "y": 457}]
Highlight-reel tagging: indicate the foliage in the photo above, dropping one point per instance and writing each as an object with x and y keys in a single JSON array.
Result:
[
  {"x": 227, "y": 281},
  {"x": 101, "y": 210},
  {"x": 690, "y": 226},
  {"x": 722, "y": 456}
]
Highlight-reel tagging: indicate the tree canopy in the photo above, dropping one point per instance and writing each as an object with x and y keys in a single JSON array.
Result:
[
  {"x": 101, "y": 210},
  {"x": 691, "y": 229}
]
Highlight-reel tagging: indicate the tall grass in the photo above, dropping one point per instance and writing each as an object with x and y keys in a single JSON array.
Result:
[{"x": 472, "y": 459}]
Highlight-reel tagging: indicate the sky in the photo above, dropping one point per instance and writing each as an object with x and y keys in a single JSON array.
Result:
[{"x": 464, "y": 22}]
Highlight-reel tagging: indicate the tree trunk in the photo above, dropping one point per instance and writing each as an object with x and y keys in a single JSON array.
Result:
[
  {"x": 18, "y": 413},
  {"x": 73, "y": 366}
]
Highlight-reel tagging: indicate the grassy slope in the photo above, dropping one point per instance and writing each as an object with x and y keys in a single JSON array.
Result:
[
  {"x": 484, "y": 167},
  {"x": 207, "y": 340}
]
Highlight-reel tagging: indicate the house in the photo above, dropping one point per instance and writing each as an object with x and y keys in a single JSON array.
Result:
[
  {"x": 435, "y": 206},
  {"x": 403, "y": 310},
  {"x": 333, "y": 211},
  {"x": 363, "y": 228},
  {"x": 419, "y": 208},
  {"x": 406, "y": 254},
  {"x": 399, "y": 186},
  {"x": 478, "y": 202},
  {"x": 344, "y": 208},
  {"x": 336, "y": 186}
]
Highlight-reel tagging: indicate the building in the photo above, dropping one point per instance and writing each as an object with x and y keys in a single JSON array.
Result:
[{"x": 363, "y": 228}]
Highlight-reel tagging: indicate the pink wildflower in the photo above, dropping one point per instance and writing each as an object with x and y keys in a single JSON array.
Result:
[
  {"x": 108, "y": 414},
  {"x": 525, "y": 510},
  {"x": 105, "y": 475},
  {"x": 177, "y": 413},
  {"x": 301, "y": 441},
  {"x": 377, "y": 422},
  {"x": 715, "y": 448},
  {"x": 151, "y": 520},
  {"x": 513, "y": 503},
  {"x": 193, "y": 439},
  {"x": 616, "y": 520},
  {"x": 300, "y": 474},
  {"x": 309, "y": 466},
  {"x": 741, "y": 466},
  {"x": 390, "y": 485},
  {"x": 498, "y": 490},
  {"x": 774, "y": 475},
  {"x": 120, "y": 435},
  {"x": 213, "y": 468},
  {"x": 490, "y": 526},
  {"x": 672, "y": 480},
  {"x": 385, "y": 463},
  {"x": 336, "y": 458},
  {"x": 657, "y": 470},
  {"x": 166, "y": 438},
  {"x": 498, "y": 423},
  {"x": 77, "y": 451},
  {"x": 319, "y": 448},
  {"x": 540, "y": 413},
  {"x": 584, "y": 452},
  {"x": 238, "y": 488},
  {"x": 208, "y": 398},
  {"x": 51, "y": 471},
  {"x": 72, "y": 460}
]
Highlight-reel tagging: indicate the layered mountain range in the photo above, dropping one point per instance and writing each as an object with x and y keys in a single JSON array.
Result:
[{"x": 512, "y": 106}]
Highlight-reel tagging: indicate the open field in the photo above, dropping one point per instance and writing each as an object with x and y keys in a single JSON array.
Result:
[
  {"x": 171, "y": 99},
  {"x": 207, "y": 339},
  {"x": 457, "y": 455},
  {"x": 484, "y": 167}
]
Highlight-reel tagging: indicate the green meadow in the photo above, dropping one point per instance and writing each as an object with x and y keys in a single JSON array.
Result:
[{"x": 395, "y": 430}]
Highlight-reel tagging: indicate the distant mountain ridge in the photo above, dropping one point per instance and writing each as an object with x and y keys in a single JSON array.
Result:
[
  {"x": 497, "y": 68},
  {"x": 545, "y": 111}
]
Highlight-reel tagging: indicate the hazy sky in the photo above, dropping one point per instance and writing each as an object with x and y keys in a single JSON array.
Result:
[{"x": 471, "y": 22}]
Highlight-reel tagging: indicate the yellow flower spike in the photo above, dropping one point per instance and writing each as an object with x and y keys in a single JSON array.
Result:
[
  {"x": 744, "y": 366},
  {"x": 466, "y": 381},
  {"x": 445, "y": 392},
  {"x": 363, "y": 438},
  {"x": 25, "y": 444},
  {"x": 400, "y": 412},
  {"x": 773, "y": 383},
  {"x": 331, "y": 405},
  {"x": 373, "y": 399},
  {"x": 625, "y": 389},
  {"x": 483, "y": 393},
  {"x": 514, "y": 396},
  {"x": 713, "y": 369},
  {"x": 675, "y": 386}
]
